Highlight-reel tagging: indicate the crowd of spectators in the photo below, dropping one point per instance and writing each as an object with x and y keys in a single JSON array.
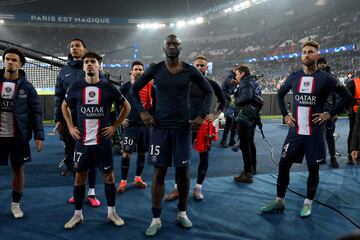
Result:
[{"x": 336, "y": 29}]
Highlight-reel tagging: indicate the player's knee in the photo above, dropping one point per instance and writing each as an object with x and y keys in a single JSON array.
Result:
[
  {"x": 159, "y": 175},
  {"x": 18, "y": 170},
  {"x": 109, "y": 178},
  {"x": 126, "y": 155},
  {"x": 80, "y": 178}
]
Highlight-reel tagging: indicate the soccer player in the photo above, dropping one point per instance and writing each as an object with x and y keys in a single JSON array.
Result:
[
  {"x": 20, "y": 116},
  {"x": 92, "y": 98},
  {"x": 136, "y": 134},
  {"x": 69, "y": 74},
  {"x": 170, "y": 140},
  {"x": 310, "y": 88},
  {"x": 202, "y": 140}
]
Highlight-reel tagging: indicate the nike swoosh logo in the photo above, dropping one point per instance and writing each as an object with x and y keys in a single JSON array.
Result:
[
  {"x": 7, "y": 95},
  {"x": 320, "y": 160},
  {"x": 66, "y": 75},
  {"x": 26, "y": 158},
  {"x": 183, "y": 162},
  {"x": 106, "y": 168},
  {"x": 91, "y": 100}
]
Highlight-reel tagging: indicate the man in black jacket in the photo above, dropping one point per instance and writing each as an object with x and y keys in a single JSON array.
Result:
[
  {"x": 329, "y": 125},
  {"x": 20, "y": 115},
  {"x": 228, "y": 87},
  {"x": 246, "y": 121},
  {"x": 354, "y": 87},
  {"x": 355, "y": 140}
]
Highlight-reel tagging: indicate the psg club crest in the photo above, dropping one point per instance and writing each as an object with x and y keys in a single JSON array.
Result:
[
  {"x": 8, "y": 89},
  {"x": 306, "y": 84},
  {"x": 92, "y": 94}
]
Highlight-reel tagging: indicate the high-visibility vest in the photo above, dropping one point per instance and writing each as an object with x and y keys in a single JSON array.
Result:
[{"x": 356, "y": 94}]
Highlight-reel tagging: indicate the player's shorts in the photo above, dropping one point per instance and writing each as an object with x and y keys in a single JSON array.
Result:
[
  {"x": 136, "y": 139},
  {"x": 296, "y": 146},
  {"x": 170, "y": 147},
  {"x": 14, "y": 151},
  {"x": 88, "y": 156}
]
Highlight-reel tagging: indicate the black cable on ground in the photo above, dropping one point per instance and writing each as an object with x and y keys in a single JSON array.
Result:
[{"x": 302, "y": 195}]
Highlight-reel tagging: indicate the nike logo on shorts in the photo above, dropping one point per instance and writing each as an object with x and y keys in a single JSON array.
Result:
[
  {"x": 320, "y": 160},
  {"x": 106, "y": 168},
  {"x": 184, "y": 162},
  {"x": 66, "y": 75},
  {"x": 26, "y": 158}
]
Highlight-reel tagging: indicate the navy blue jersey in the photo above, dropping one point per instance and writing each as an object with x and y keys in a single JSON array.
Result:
[
  {"x": 197, "y": 98},
  {"x": 310, "y": 92},
  {"x": 93, "y": 104},
  {"x": 172, "y": 94},
  {"x": 134, "y": 117}
]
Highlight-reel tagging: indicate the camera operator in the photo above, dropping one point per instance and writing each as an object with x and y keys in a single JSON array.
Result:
[{"x": 249, "y": 103}]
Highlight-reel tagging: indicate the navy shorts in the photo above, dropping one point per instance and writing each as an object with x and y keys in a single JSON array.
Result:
[
  {"x": 14, "y": 151},
  {"x": 88, "y": 156},
  {"x": 296, "y": 146},
  {"x": 170, "y": 147},
  {"x": 136, "y": 139}
]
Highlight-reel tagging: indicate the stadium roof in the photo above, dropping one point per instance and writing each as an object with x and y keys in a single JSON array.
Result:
[
  {"x": 266, "y": 15},
  {"x": 112, "y": 8}
]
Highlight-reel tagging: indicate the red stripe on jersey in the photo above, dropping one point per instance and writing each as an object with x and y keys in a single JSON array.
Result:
[
  {"x": 98, "y": 133},
  {"x": 1, "y": 87},
  {"x": 84, "y": 137},
  {"x": 84, "y": 96},
  {"x": 99, "y": 97},
  {"x": 14, "y": 127},
  {"x": 313, "y": 86},
  {"x": 299, "y": 85},
  {"x": 296, "y": 119},
  {"x": 310, "y": 113}
]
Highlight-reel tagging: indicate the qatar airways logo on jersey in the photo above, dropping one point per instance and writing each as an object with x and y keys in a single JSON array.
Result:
[
  {"x": 92, "y": 111},
  {"x": 7, "y": 106},
  {"x": 305, "y": 99}
]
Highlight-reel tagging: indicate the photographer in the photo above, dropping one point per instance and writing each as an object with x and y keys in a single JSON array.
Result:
[{"x": 249, "y": 103}]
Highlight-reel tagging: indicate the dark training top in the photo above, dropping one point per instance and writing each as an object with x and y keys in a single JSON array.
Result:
[
  {"x": 93, "y": 104},
  {"x": 310, "y": 92},
  {"x": 134, "y": 117},
  {"x": 172, "y": 94},
  {"x": 197, "y": 98}
]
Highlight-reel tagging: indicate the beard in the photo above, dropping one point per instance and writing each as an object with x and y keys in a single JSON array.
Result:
[
  {"x": 308, "y": 62},
  {"x": 136, "y": 76}
]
